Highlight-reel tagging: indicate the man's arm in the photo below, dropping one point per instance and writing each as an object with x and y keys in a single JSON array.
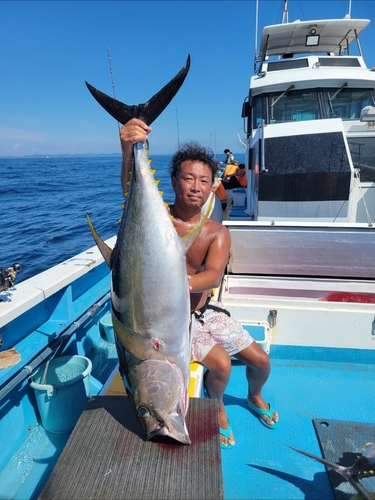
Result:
[{"x": 133, "y": 131}]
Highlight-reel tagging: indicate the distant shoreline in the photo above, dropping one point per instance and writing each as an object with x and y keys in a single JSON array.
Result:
[
  {"x": 84, "y": 155},
  {"x": 92, "y": 155}
]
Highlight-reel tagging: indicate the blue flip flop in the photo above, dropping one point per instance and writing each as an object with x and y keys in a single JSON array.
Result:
[
  {"x": 259, "y": 412},
  {"x": 226, "y": 433}
]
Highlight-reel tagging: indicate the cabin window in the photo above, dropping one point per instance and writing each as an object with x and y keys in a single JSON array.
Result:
[
  {"x": 310, "y": 104},
  {"x": 346, "y": 103},
  {"x": 290, "y": 64},
  {"x": 258, "y": 113},
  {"x": 339, "y": 61},
  {"x": 293, "y": 105}
]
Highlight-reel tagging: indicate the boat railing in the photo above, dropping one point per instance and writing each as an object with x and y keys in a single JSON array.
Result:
[
  {"x": 32, "y": 358},
  {"x": 40, "y": 313}
]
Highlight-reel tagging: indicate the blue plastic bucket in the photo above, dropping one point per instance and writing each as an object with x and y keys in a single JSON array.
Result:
[
  {"x": 62, "y": 389},
  {"x": 106, "y": 327}
]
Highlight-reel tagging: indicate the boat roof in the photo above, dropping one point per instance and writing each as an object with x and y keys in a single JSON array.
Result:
[{"x": 335, "y": 35}]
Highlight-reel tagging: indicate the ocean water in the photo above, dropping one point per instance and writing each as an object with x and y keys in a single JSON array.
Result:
[{"x": 44, "y": 201}]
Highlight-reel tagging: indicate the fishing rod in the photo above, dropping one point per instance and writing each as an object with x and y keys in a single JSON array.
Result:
[
  {"x": 178, "y": 129},
  {"x": 112, "y": 81},
  {"x": 114, "y": 96}
]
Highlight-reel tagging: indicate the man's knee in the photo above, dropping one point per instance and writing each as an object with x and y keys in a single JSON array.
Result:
[
  {"x": 218, "y": 359},
  {"x": 262, "y": 360},
  {"x": 255, "y": 356}
]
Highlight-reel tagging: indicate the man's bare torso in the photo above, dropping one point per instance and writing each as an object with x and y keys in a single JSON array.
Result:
[{"x": 197, "y": 255}]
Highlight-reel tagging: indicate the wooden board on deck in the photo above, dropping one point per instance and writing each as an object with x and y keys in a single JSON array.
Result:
[
  {"x": 9, "y": 358},
  {"x": 107, "y": 457}
]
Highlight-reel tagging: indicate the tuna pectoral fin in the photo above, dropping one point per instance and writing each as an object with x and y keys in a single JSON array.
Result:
[
  {"x": 147, "y": 112},
  {"x": 103, "y": 247},
  {"x": 135, "y": 344},
  {"x": 188, "y": 239}
]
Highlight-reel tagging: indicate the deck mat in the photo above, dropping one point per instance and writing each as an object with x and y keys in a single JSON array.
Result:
[
  {"x": 107, "y": 457},
  {"x": 341, "y": 442}
]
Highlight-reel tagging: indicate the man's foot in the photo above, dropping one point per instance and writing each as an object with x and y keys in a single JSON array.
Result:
[
  {"x": 228, "y": 436},
  {"x": 226, "y": 433},
  {"x": 264, "y": 411}
]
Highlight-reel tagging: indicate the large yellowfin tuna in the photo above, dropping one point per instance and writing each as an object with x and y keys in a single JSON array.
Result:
[{"x": 150, "y": 294}]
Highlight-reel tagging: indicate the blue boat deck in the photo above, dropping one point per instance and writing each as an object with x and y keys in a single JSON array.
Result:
[
  {"x": 261, "y": 466},
  {"x": 305, "y": 383}
]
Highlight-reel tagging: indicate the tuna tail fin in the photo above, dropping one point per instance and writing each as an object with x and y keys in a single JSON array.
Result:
[
  {"x": 103, "y": 247},
  {"x": 148, "y": 111}
]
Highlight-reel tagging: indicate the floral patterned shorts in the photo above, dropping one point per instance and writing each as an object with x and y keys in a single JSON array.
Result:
[{"x": 215, "y": 327}]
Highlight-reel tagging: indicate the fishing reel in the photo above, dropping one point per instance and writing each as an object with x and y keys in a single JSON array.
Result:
[{"x": 7, "y": 276}]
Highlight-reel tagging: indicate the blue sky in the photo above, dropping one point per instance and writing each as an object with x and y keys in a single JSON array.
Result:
[{"x": 49, "y": 48}]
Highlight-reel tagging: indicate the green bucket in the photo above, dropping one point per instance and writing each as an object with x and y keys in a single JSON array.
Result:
[
  {"x": 62, "y": 390},
  {"x": 106, "y": 327}
]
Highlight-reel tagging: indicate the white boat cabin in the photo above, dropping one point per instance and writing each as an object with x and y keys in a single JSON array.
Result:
[{"x": 310, "y": 125}]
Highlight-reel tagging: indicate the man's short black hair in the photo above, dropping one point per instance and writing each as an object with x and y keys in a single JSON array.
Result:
[{"x": 193, "y": 151}]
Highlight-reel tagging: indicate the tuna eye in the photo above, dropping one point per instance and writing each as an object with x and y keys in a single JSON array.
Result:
[{"x": 143, "y": 411}]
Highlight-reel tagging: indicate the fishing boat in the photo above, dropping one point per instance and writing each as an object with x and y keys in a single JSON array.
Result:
[
  {"x": 301, "y": 279},
  {"x": 310, "y": 125}
]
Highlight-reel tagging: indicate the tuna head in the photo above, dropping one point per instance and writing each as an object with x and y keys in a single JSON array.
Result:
[
  {"x": 160, "y": 399},
  {"x": 156, "y": 377}
]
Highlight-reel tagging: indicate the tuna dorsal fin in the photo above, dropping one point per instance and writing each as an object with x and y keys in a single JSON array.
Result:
[
  {"x": 188, "y": 238},
  {"x": 148, "y": 111},
  {"x": 103, "y": 247}
]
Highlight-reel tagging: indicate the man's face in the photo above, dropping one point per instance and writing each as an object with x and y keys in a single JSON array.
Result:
[{"x": 193, "y": 184}]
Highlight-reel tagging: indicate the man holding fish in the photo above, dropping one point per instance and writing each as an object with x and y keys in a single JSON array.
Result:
[{"x": 217, "y": 336}]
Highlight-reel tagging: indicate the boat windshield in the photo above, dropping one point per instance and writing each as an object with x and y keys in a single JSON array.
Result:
[
  {"x": 311, "y": 104},
  {"x": 346, "y": 103}
]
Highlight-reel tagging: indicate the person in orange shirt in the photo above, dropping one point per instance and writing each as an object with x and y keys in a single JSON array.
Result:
[
  {"x": 219, "y": 189},
  {"x": 241, "y": 175},
  {"x": 235, "y": 177}
]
